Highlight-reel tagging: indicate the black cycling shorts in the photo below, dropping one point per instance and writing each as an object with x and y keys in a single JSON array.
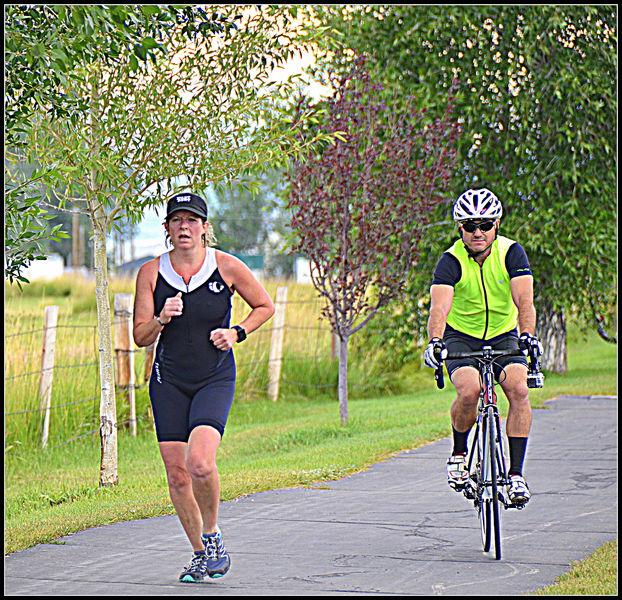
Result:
[
  {"x": 179, "y": 407},
  {"x": 456, "y": 341}
]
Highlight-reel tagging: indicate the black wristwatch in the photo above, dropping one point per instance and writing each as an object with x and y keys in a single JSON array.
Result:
[{"x": 241, "y": 332}]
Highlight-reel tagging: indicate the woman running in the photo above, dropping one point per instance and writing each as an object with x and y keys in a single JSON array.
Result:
[{"x": 184, "y": 296}]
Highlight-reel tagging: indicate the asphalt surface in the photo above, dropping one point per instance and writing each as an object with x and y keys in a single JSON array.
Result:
[{"x": 395, "y": 529}]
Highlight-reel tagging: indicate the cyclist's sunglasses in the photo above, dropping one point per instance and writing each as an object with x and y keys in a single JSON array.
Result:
[{"x": 471, "y": 226}]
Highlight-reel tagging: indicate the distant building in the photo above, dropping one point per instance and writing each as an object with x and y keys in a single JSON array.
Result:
[
  {"x": 302, "y": 270},
  {"x": 51, "y": 268},
  {"x": 130, "y": 269},
  {"x": 255, "y": 262}
]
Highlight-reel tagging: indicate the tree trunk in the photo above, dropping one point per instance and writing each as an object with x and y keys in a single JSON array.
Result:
[
  {"x": 75, "y": 240},
  {"x": 99, "y": 221},
  {"x": 343, "y": 380},
  {"x": 108, "y": 408},
  {"x": 551, "y": 330}
]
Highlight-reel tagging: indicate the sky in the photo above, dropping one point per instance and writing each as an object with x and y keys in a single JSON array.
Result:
[{"x": 149, "y": 239}]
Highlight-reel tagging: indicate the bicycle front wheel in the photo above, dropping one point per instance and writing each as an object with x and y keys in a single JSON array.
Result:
[
  {"x": 483, "y": 486},
  {"x": 485, "y": 523},
  {"x": 491, "y": 456}
]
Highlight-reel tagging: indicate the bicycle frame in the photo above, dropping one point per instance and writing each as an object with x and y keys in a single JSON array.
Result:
[{"x": 488, "y": 412}]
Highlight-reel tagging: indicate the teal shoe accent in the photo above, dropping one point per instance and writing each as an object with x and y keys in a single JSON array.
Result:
[{"x": 196, "y": 571}]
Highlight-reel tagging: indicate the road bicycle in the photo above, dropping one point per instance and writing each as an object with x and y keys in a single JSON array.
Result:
[{"x": 488, "y": 480}]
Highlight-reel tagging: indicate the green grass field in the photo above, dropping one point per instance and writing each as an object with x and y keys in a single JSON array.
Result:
[{"x": 295, "y": 441}]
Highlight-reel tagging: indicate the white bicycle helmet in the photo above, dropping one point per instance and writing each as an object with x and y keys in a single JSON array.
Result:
[{"x": 477, "y": 204}]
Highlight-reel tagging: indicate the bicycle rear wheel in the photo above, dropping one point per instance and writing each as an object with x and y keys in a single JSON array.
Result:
[{"x": 493, "y": 436}]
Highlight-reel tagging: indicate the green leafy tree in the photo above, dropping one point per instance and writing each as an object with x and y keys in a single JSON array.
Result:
[
  {"x": 538, "y": 109},
  {"x": 251, "y": 218},
  {"x": 27, "y": 232},
  {"x": 243, "y": 216},
  {"x": 43, "y": 46},
  {"x": 188, "y": 109}
]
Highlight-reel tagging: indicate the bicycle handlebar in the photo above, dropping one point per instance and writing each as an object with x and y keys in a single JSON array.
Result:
[
  {"x": 481, "y": 354},
  {"x": 484, "y": 353}
]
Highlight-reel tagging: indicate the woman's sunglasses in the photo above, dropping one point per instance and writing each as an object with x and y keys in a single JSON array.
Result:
[{"x": 471, "y": 226}]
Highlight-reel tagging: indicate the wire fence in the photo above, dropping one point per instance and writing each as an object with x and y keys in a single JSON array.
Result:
[{"x": 57, "y": 403}]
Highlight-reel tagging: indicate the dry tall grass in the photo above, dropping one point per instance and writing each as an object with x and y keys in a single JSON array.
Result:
[{"x": 307, "y": 365}]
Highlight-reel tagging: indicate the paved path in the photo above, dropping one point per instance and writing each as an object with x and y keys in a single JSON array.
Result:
[{"x": 395, "y": 529}]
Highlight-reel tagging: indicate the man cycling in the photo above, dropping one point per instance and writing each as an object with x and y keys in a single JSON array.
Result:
[{"x": 481, "y": 291}]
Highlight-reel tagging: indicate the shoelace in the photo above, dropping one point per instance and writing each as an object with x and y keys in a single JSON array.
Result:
[
  {"x": 197, "y": 563},
  {"x": 213, "y": 547}
]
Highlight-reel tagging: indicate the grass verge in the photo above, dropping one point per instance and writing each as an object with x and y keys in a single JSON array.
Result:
[{"x": 597, "y": 575}]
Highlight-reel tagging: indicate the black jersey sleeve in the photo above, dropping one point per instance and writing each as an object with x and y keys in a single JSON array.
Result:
[
  {"x": 516, "y": 261},
  {"x": 447, "y": 271}
]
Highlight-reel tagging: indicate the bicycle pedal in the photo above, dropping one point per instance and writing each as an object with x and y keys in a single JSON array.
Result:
[{"x": 469, "y": 493}]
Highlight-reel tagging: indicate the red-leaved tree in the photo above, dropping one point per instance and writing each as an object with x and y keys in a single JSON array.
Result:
[{"x": 360, "y": 206}]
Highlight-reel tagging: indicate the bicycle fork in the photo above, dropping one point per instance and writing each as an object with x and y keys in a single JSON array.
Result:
[
  {"x": 490, "y": 414},
  {"x": 480, "y": 487}
]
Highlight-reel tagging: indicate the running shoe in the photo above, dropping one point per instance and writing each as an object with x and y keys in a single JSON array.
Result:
[
  {"x": 518, "y": 492},
  {"x": 457, "y": 472},
  {"x": 196, "y": 571},
  {"x": 218, "y": 561}
]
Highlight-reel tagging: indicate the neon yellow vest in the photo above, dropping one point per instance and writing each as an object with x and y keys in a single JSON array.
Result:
[{"x": 482, "y": 305}]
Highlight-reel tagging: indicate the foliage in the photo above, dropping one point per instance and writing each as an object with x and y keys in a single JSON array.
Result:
[
  {"x": 537, "y": 106},
  {"x": 43, "y": 46},
  {"x": 120, "y": 106},
  {"x": 44, "y": 43},
  {"x": 359, "y": 207},
  {"x": 251, "y": 218},
  {"x": 204, "y": 114},
  {"x": 26, "y": 230}
]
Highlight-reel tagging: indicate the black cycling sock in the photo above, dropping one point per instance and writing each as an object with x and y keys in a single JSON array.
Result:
[
  {"x": 518, "y": 447},
  {"x": 460, "y": 441}
]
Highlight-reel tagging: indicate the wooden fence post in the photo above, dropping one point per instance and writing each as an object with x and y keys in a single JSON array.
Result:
[
  {"x": 123, "y": 309},
  {"x": 276, "y": 346},
  {"x": 50, "y": 319}
]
